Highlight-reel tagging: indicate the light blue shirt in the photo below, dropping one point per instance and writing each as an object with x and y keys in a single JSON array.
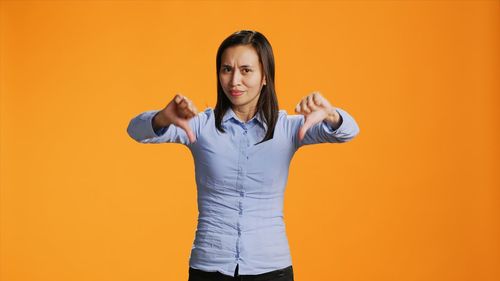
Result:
[{"x": 240, "y": 185}]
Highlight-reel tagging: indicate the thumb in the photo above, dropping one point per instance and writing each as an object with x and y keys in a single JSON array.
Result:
[
  {"x": 309, "y": 121},
  {"x": 302, "y": 131},
  {"x": 185, "y": 126}
]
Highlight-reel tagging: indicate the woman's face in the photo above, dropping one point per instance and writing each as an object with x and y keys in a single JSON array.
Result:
[{"x": 241, "y": 76}]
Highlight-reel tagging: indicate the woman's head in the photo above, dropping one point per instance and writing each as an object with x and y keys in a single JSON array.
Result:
[
  {"x": 241, "y": 76},
  {"x": 245, "y": 63}
]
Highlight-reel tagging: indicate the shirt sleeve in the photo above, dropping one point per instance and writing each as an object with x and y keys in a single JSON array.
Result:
[
  {"x": 323, "y": 132},
  {"x": 140, "y": 128}
]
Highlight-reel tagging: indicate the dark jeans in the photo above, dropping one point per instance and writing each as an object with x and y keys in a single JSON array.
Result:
[{"x": 284, "y": 274}]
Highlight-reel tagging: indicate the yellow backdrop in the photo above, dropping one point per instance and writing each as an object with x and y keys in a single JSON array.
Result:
[{"x": 414, "y": 197}]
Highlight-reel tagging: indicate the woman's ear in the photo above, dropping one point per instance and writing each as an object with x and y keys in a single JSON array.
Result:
[{"x": 264, "y": 80}]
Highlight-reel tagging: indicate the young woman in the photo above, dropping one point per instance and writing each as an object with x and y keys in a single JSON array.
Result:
[{"x": 242, "y": 150}]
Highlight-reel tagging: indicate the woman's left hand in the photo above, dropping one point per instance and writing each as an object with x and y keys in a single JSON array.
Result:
[{"x": 315, "y": 109}]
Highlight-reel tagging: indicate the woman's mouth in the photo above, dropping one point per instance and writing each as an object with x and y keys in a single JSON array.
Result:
[{"x": 236, "y": 93}]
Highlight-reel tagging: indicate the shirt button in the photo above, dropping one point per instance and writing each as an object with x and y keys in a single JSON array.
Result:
[
  {"x": 242, "y": 193},
  {"x": 245, "y": 132}
]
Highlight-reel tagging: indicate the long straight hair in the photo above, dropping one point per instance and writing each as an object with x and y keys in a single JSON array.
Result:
[{"x": 267, "y": 105}]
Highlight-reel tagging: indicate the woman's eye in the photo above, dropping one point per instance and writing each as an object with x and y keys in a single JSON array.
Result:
[{"x": 227, "y": 69}]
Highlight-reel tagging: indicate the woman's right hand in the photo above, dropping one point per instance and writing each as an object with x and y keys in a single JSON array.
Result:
[{"x": 178, "y": 112}]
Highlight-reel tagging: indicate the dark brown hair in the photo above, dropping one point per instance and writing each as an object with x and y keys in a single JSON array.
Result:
[{"x": 267, "y": 104}]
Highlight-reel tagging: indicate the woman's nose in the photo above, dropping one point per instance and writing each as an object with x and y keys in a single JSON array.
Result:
[{"x": 236, "y": 78}]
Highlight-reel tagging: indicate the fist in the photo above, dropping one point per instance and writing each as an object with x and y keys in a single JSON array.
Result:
[
  {"x": 183, "y": 107},
  {"x": 315, "y": 109},
  {"x": 178, "y": 112}
]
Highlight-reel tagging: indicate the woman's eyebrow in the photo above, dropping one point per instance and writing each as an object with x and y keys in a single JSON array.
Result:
[{"x": 245, "y": 65}]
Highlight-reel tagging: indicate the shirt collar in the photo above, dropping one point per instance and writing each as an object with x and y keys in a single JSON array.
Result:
[{"x": 231, "y": 115}]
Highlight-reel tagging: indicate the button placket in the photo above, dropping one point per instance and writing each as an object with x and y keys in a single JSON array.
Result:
[{"x": 241, "y": 173}]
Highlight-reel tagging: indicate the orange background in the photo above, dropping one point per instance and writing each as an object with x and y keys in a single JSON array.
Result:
[{"x": 414, "y": 197}]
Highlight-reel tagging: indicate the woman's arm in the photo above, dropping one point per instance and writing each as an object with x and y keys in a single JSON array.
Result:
[
  {"x": 174, "y": 123},
  {"x": 319, "y": 122}
]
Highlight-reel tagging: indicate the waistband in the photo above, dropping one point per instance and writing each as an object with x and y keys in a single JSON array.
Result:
[{"x": 287, "y": 271}]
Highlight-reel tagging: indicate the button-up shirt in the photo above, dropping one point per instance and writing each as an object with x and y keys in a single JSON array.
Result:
[{"x": 240, "y": 185}]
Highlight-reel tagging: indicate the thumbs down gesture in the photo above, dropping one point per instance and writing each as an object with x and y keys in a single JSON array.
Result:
[{"x": 315, "y": 109}]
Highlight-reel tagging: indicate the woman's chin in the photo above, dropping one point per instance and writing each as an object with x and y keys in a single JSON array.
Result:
[{"x": 235, "y": 99}]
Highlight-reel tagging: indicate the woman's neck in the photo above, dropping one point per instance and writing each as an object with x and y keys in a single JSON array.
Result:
[{"x": 244, "y": 114}]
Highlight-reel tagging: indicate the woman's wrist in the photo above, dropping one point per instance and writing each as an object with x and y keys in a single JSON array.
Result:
[
  {"x": 334, "y": 119},
  {"x": 158, "y": 121}
]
